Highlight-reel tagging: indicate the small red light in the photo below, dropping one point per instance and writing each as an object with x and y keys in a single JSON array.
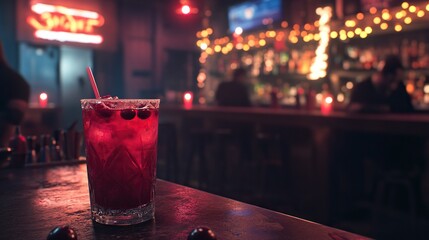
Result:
[
  {"x": 186, "y": 9},
  {"x": 43, "y": 96}
]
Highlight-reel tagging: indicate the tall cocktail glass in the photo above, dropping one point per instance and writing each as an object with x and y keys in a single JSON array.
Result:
[{"x": 121, "y": 151}]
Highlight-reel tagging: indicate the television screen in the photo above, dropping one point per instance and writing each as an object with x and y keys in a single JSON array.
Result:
[{"x": 252, "y": 14}]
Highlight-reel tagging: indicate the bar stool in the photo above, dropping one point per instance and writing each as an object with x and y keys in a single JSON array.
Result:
[
  {"x": 167, "y": 151},
  {"x": 232, "y": 154},
  {"x": 195, "y": 152},
  {"x": 388, "y": 202}
]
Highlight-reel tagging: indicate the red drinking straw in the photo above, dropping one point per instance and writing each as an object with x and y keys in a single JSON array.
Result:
[{"x": 92, "y": 81}]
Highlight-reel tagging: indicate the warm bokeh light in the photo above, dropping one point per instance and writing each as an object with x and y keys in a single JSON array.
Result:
[
  {"x": 316, "y": 23},
  {"x": 238, "y": 30},
  {"x": 368, "y": 30},
  {"x": 377, "y": 20},
  {"x": 203, "y": 46},
  {"x": 405, "y": 5},
  {"x": 293, "y": 39},
  {"x": 373, "y": 10},
  {"x": 262, "y": 42},
  {"x": 251, "y": 43},
  {"x": 358, "y": 31},
  {"x": 334, "y": 34},
  {"x": 316, "y": 37},
  {"x": 209, "y": 51},
  {"x": 426, "y": 89},
  {"x": 360, "y": 16},
  {"x": 284, "y": 24},
  {"x": 420, "y": 13},
  {"x": 319, "y": 64},
  {"x": 272, "y": 34},
  {"x": 350, "y": 34},
  {"x": 349, "y": 85},
  {"x": 218, "y": 48},
  {"x": 246, "y": 47},
  {"x": 386, "y": 16},
  {"x": 363, "y": 35},
  {"x": 343, "y": 37},
  {"x": 350, "y": 23},
  {"x": 307, "y": 27},
  {"x": 384, "y": 26},
  {"x": 340, "y": 98},
  {"x": 427, "y": 7},
  {"x": 408, "y": 20},
  {"x": 398, "y": 28},
  {"x": 412, "y": 9}
]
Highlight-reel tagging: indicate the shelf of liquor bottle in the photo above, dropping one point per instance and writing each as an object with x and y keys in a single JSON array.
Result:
[{"x": 353, "y": 73}]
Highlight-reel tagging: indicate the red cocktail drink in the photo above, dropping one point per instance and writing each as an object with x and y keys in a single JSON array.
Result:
[{"x": 121, "y": 149}]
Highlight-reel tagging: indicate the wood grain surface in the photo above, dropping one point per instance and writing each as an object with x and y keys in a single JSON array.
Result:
[{"x": 35, "y": 200}]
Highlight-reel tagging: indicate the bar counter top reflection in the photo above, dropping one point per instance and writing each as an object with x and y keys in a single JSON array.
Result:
[
  {"x": 416, "y": 123},
  {"x": 35, "y": 200}
]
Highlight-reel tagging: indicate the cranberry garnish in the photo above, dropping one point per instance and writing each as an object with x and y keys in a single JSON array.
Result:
[
  {"x": 143, "y": 114},
  {"x": 102, "y": 110},
  {"x": 202, "y": 233},
  {"x": 62, "y": 233},
  {"x": 128, "y": 114}
]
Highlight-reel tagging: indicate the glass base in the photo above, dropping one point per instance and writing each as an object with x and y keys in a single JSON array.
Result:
[{"x": 137, "y": 215}]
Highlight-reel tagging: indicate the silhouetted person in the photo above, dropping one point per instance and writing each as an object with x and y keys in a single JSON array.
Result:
[
  {"x": 383, "y": 92},
  {"x": 14, "y": 97},
  {"x": 234, "y": 92},
  {"x": 385, "y": 153}
]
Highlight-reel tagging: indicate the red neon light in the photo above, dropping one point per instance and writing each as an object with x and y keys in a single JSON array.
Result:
[
  {"x": 69, "y": 37},
  {"x": 40, "y": 8},
  {"x": 65, "y": 24}
]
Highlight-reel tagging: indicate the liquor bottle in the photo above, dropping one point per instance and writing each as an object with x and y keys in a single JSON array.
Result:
[
  {"x": 404, "y": 53},
  {"x": 45, "y": 153},
  {"x": 18, "y": 144},
  {"x": 31, "y": 150}
]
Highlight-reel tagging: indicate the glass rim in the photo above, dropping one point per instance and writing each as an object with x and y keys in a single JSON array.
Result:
[
  {"x": 119, "y": 100},
  {"x": 120, "y": 104}
]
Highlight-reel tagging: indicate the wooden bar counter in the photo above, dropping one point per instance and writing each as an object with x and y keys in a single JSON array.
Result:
[
  {"x": 312, "y": 176},
  {"x": 384, "y": 122},
  {"x": 35, "y": 200}
]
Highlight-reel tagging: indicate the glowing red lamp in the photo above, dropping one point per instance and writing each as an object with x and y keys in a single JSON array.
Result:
[
  {"x": 326, "y": 105},
  {"x": 43, "y": 100},
  {"x": 187, "y": 100},
  {"x": 186, "y": 9}
]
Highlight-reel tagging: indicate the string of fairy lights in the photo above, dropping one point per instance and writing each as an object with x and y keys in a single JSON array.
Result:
[{"x": 360, "y": 25}]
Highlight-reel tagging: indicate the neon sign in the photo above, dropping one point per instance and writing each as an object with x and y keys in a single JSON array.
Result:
[{"x": 59, "y": 23}]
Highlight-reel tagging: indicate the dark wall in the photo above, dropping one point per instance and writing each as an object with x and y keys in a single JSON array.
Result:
[{"x": 8, "y": 32}]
